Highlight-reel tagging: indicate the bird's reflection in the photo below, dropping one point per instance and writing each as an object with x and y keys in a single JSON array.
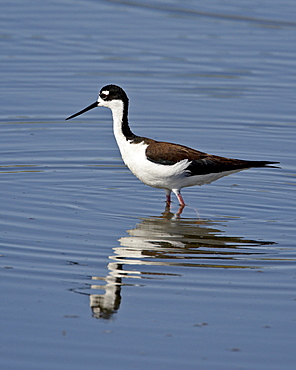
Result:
[{"x": 168, "y": 243}]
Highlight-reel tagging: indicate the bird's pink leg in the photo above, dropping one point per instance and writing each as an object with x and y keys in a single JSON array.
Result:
[
  {"x": 181, "y": 202},
  {"x": 168, "y": 197},
  {"x": 180, "y": 198}
]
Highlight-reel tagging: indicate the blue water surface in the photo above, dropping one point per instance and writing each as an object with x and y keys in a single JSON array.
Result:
[{"x": 95, "y": 273}]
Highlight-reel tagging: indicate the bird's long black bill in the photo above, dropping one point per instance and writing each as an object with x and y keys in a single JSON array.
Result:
[{"x": 93, "y": 105}]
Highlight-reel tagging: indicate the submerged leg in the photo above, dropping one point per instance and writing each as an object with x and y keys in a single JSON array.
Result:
[
  {"x": 180, "y": 210},
  {"x": 168, "y": 196}
]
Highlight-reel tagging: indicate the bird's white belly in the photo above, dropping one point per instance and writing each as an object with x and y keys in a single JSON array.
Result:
[{"x": 150, "y": 173}]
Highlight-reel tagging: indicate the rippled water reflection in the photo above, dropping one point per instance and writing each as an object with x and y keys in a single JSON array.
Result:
[{"x": 160, "y": 242}]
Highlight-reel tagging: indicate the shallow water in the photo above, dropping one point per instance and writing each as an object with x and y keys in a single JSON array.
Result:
[{"x": 95, "y": 273}]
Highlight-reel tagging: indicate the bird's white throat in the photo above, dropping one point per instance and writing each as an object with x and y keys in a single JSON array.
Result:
[{"x": 117, "y": 109}]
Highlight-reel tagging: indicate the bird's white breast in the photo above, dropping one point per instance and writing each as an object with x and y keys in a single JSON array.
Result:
[
  {"x": 152, "y": 174},
  {"x": 134, "y": 156}
]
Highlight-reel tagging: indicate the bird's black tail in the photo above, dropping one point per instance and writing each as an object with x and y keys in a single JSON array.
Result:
[{"x": 263, "y": 164}]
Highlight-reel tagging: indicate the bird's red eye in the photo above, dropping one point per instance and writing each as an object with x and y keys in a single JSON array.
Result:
[{"x": 103, "y": 96}]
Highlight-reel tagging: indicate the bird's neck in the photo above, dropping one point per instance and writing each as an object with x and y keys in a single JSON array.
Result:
[{"x": 120, "y": 121}]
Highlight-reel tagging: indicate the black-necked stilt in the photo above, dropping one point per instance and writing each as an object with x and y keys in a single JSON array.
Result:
[{"x": 159, "y": 164}]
